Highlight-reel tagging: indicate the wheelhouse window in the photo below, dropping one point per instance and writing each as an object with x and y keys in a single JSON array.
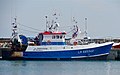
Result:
[
  {"x": 53, "y": 37},
  {"x": 61, "y": 37},
  {"x": 57, "y": 36}
]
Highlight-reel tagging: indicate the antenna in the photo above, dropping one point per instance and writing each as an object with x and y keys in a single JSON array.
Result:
[
  {"x": 86, "y": 26},
  {"x": 74, "y": 21},
  {"x": 46, "y": 22}
]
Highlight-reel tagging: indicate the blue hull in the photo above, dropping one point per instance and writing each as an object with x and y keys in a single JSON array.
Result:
[{"x": 69, "y": 54}]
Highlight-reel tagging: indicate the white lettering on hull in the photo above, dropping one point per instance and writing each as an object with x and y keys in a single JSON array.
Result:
[{"x": 86, "y": 51}]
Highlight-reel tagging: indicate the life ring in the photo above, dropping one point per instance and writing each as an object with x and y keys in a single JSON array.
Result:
[
  {"x": 75, "y": 43},
  {"x": 48, "y": 42}
]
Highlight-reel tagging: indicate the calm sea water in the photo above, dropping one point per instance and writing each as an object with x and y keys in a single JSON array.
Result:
[{"x": 59, "y": 67}]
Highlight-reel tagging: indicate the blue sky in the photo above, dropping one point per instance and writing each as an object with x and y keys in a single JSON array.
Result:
[{"x": 103, "y": 16}]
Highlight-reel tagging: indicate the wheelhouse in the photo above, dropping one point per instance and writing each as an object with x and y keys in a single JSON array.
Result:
[{"x": 51, "y": 38}]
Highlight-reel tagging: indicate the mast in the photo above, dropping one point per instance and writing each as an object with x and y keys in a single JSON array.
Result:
[
  {"x": 75, "y": 29},
  {"x": 14, "y": 29},
  {"x": 53, "y": 25}
]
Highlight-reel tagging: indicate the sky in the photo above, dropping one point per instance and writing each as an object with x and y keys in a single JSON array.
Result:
[{"x": 103, "y": 16}]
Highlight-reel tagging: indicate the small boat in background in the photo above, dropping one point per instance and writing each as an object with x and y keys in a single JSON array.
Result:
[
  {"x": 51, "y": 44},
  {"x": 116, "y": 46}
]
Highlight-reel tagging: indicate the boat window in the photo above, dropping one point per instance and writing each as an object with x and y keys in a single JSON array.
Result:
[
  {"x": 61, "y": 37},
  {"x": 71, "y": 47},
  {"x": 57, "y": 36},
  {"x": 53, "y": 37}
]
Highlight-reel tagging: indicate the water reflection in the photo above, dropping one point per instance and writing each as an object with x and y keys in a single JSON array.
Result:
[
  {"x": 18, "y": 63},
  {"x": 108, "y": 67},
  {"x": 59, "y": 67}
]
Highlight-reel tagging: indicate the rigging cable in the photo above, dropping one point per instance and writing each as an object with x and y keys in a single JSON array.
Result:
[
  {"x": 28, "y": 30},
  {"x": 29, "y": 27}
]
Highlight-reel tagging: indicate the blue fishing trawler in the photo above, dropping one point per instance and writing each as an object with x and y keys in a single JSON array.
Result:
[{"x": 51, "y": 44}]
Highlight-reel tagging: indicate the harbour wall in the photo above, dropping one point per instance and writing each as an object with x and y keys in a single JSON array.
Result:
[{"x": 114, "y": 54}]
